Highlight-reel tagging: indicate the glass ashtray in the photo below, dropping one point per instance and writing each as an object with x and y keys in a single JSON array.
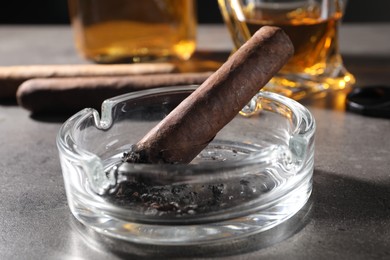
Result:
[{"x": 254, "y": 175}]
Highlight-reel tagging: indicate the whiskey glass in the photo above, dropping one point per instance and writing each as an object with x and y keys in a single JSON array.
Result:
[
  {"x": 134, "y": 31},
  {"x": 313, "y": 27}
]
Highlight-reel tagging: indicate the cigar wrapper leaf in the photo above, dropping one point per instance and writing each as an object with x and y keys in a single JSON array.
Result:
[
  {"x": 12, "y": 76},
  {"x": 73, "y": 94},
  {"x": 187, "y": 130}
]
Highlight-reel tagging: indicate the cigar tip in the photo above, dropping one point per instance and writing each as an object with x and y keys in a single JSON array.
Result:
[{"x": 272, "y": 31}]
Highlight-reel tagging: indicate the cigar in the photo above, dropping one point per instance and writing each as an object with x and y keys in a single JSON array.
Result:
[
  {"x": 73, "y": 94},
  {"x": 188, "y": 129},
  {"x": 12, "y": 76}
]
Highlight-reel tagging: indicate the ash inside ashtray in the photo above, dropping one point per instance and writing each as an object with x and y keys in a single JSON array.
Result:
[
  {"x": 186, "y": 199},
  {"x": 153, "y": 196}
]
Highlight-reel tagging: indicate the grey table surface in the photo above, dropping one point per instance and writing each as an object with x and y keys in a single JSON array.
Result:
[{"x": 348, "y": 216}]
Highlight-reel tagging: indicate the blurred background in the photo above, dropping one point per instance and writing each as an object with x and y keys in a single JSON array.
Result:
[{"x": 55, "y": 11}]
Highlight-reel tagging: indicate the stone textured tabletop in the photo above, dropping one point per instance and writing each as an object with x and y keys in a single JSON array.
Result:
[{"x": 348, "y": 216}]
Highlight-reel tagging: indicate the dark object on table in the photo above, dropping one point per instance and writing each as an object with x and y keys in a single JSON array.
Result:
[{"x": 370, "y": 101}]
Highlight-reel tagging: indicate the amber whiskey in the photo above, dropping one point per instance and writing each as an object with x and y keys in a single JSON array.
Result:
[
  {"x": 315, "y": 39},
  {"x": 130, "y": 30}
]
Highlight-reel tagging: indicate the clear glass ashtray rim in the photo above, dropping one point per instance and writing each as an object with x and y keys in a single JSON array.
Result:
[
  {"x": 91, "y": 209},
  {"x": 304, "y": 127}
]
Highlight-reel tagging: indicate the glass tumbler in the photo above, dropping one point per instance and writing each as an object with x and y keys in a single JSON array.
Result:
[
  {"x": 134, "y": 31},
  {"x": 312, "y": 26}
]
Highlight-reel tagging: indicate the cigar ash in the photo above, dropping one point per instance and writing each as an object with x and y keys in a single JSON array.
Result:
[
  {"x": 158, "y": 197},
  {"x": 178, "y": 200}
]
